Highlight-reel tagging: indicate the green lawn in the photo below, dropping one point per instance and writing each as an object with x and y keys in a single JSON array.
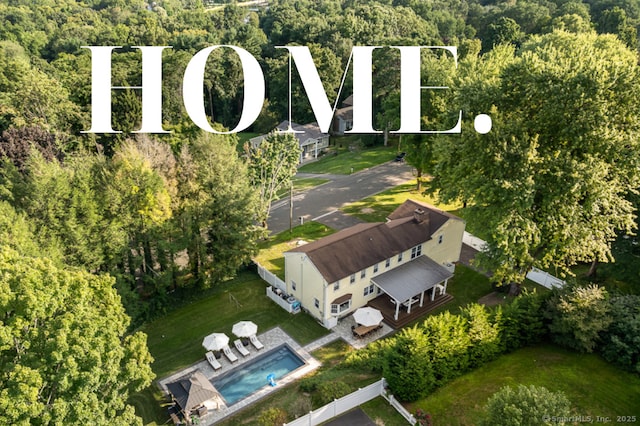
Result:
[
  {"x": 594, "y": 387},
  {"x": 271, "y": 251},
  {"x": 342, "y": 162},
  {"x": 175, "y": 341},
  {"x": 377, "y": 207},
  {"x": 466, "y": 286}
]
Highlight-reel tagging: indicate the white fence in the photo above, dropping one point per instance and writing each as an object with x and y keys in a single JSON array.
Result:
[
  {"x": 399, "y": 408},
  {"x": 348, "y": 402},
  {"x": 283, "y": 303},
  {"x": 270, "y": 277},
  {"x": 544, "y": 278}
]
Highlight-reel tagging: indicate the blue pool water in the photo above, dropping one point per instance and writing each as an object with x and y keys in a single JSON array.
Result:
[{"x": 252, "y": 375}]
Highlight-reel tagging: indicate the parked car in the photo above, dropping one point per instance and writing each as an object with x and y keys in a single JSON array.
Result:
[{"x": 400, "y": 157}]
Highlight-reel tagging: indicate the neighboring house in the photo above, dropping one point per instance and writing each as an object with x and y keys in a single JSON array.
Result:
[
  {"x": 406, "y": 259},
  {"x": 343, "y": 118},
  {"x": 312, "y": 141}
]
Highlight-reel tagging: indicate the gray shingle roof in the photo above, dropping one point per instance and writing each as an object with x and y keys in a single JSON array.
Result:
[
  {"x": 191, "y": 391},
  {"x": 346, "y": 252},
  {"x": 412, "y": 278}
]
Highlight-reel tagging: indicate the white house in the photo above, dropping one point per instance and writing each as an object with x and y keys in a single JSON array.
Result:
[
  {"x": 343, "y": 118},
  {"x": 312, "y": 141},
  {"x": 407, "y": 260}
]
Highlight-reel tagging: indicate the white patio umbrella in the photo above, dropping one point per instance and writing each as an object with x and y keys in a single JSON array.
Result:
[
  {"x": 244, "y": 328},
  {"x": 215, "y": 341},
  {"x": 367, "y": 316}
]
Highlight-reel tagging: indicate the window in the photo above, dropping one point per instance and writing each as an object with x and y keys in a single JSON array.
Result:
[
  {"x": 416, "y": 251},
  {"x": 344, "y": 306},
  {"x": 375, "y": 268},
  {"x": 440, "y": 238},
  {"x": 363, "y": 273},
  {"x": 369, "y": 290},
  {"x": 316, "y": 303},
  {"x": 336, "y": 286},
  {"x": 352, "y": 279},
  {"x": 387, "y": 263},
  {"x": 400, "y": 257},
  {"x": 293, "y": 285}
]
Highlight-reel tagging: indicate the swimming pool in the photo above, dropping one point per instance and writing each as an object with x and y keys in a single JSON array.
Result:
[{"x": 251, "y": 376}]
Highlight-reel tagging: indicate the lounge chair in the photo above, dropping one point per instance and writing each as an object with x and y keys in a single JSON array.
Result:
[
  {"x": 255, "y": 342},
  {"x": 213, "y": 361},
  {"x": 240, "y": 347},
  {"x": 230, "y": 356}
]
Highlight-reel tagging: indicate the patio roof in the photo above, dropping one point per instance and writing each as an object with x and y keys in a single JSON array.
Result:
[
  {"x": 192, "y": 391},
  {"x": 412, "y": 278}
]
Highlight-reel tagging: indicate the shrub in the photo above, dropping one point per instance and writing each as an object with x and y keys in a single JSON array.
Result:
[
  {"x": 521, "y": 322},
  {"x": 524, "y": 406},
  {"x": 423, "y": 419},
  {"x": 309, "y": 384},
  {"x": 578, "y": 315},
  {"x": 301, "y": 406},
  {"x": 408, "y": 369},
  {"x": 446, "y": 343},
  {"x": 328, "y": 391},
  {"x": 621, "y": 341},
  {"x": 273, "y": 417},
  {"x": 484, "y": 335},
  {"x": 371, "y": 357}
]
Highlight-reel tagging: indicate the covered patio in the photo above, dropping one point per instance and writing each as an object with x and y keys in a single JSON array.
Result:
[
  {"x": 411, "y": 290},
  {"x": 194, "y": 397}
]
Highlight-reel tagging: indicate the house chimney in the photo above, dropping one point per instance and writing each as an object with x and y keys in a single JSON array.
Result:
[{"x": 419, "y": 215}]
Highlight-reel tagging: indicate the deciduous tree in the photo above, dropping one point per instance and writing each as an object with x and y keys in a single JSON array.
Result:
[
  {"x": 218, "y": 209},
  {"x": 551, "y": 180},
  {"x": 65, "y": 356},
  {"x": 272, "y": 164}
]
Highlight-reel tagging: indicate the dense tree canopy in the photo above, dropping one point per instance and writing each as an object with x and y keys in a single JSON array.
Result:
[
  {"x": 179, "y": 211},
  {"x": 552, "y": 179},
  {"x": 65, "y": 357}
]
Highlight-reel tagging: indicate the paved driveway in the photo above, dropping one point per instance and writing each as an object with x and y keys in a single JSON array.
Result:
[{"x": 320, "y": 203}]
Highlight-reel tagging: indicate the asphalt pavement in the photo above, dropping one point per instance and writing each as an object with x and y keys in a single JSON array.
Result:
[{"x": 321, "y": 203}]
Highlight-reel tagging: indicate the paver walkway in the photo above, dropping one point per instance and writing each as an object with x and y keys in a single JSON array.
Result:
[{"x": 321, "y": 342}]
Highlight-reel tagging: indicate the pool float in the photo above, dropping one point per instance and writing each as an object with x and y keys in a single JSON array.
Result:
[{"x": 271, "y": 378}]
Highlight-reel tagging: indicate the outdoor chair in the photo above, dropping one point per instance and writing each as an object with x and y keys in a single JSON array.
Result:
[
  {"x": 255, "y": 342},
  {"x": 230, "y": 355},
  {"x": 240, "y": 347},
  {"x": 213, "y": 361}
]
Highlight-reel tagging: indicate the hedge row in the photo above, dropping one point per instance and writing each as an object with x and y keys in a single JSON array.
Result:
[{"x": 417, "y": 360}]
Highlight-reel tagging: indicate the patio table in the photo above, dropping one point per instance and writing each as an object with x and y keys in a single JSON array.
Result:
[{"x": 363, "y": 330}]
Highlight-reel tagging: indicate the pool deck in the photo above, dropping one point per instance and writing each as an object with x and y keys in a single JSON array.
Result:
[{"x": 271, "y": 339}]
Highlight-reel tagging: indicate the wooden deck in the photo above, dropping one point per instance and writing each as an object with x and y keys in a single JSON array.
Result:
[{"x": 383, "y": 304}]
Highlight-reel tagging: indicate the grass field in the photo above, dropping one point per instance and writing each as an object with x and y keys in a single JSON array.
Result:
[
  {"x": 594, "y": 387},
  {"x": 345, "y": 160},
  {"x": 271, "y": 251}
]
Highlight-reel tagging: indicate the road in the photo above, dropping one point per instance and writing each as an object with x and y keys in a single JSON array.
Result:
[{"x": 322, "y": 202}]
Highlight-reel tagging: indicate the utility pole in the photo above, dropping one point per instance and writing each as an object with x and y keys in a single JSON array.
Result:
[{"x": 291, "y": 207}]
